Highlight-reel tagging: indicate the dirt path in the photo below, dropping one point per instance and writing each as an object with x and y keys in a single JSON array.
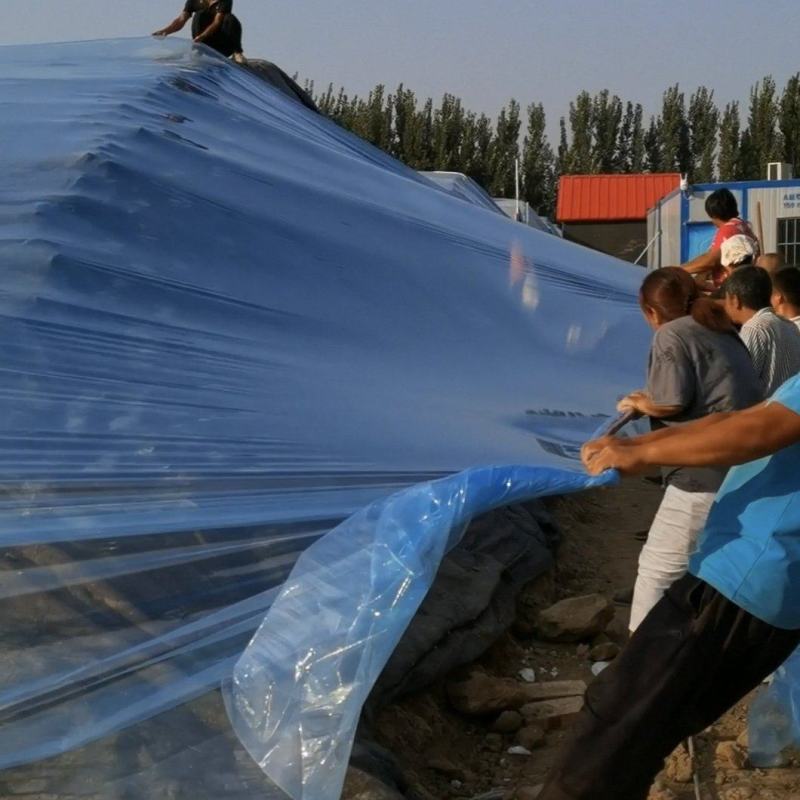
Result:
[{"x": 446, "y": 755}]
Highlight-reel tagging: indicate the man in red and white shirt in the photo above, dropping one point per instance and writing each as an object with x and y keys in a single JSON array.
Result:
[{"x": 734, "y": 245}]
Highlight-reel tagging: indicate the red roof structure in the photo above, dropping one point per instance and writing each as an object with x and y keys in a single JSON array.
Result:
[{"x": 611, "y": 198}]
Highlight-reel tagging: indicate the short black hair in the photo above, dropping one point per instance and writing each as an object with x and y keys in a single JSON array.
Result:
[
  {"x": 787, "y": 282},
  {"x": 721, "y": 204},
  {"x": 752, "y": 286}
]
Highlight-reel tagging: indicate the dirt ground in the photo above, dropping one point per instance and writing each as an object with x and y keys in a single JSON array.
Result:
[{"x": 446, "y": 755}]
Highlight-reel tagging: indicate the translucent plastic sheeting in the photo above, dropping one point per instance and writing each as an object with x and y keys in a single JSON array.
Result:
[
  {"x": 774, "y": 720},
  {"x": 464, "y": 188},
  {"x": 227, "y": 325},
  {"x": 298, "y": 689}
]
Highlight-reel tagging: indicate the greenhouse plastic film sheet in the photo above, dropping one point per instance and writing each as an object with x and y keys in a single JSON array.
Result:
[{"x": 228, "y": 325}]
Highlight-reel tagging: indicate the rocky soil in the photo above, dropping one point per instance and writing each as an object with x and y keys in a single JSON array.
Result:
[{"x": 491, "y": 730}]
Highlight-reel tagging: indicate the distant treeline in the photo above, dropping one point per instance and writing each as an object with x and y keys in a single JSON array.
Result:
[{"x": 602, "y": 134}]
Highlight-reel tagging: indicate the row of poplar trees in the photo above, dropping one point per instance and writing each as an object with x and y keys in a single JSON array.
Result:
[{"x": 601, "y": 134}]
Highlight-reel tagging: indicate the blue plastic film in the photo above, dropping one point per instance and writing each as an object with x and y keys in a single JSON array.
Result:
[
  {"x": 227, "y": 325},
  {"x": 298, "y": 689},
  {"x": 774, "y": 717}
]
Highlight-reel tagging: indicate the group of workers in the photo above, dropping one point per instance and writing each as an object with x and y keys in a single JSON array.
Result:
[
  {"x": 213, "y": 24},
  {"x": 716, "y": 604}
]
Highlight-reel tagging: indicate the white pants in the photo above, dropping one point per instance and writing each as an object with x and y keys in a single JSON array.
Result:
[{"x": 665, "y": 556}]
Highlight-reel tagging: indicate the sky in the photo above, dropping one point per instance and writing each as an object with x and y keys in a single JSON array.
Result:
[{"x": 484, "y": 51}]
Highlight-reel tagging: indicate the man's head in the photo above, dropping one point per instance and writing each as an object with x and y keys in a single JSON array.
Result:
[
  {"x": 771, "y": 262},
  {"x": 721, "y": 206},
  {"x": 786, "y": 292},
  {"x": 745, "y": 292}
]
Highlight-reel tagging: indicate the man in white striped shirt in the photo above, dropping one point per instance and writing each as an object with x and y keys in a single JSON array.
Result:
[
  {"x": 773, "y": 342},
  {"x": 786, "y": 294}
]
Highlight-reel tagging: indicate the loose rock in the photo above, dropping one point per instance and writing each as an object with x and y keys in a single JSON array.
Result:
[
  {"x": 739, "y": 793},
  {"x": 617, "y": 630},
  {"x": 604, "y": 652},
  {"x": 528, "y": 675},
  {"x": 659, "y": 792},
  {"x": 731, "y": 755},
  {"x": 493, "y": 742},
  {"x": 550, "y": 690},
  {"x": 361, "y": 786},
  {"x": 552, "y": 713},
  {"x": 481, "y": 694},
  {"x": 679, "y": 766},
  {"x": 447, "y": 768},
  {"x": 531, "y": 737},
  {"x": 528, "y": 792},
  {"x": 507, "y": 722},
  {"x": 743, "y": 740},
  {"x": 575, "y": 619}
]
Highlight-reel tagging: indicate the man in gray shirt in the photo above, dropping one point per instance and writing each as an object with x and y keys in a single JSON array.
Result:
[
  {"x": 694, "y": 372},
  {"x": 773, "y": 342}
]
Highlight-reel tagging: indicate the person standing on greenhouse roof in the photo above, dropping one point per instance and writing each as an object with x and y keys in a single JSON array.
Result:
[{"x": 213, "y": 24}]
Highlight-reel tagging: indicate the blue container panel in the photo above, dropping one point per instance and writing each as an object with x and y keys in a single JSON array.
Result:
[{"x": 701, "y": 234}]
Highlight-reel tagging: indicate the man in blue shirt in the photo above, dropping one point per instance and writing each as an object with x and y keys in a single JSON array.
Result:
[{"x": 721, "y": 629}]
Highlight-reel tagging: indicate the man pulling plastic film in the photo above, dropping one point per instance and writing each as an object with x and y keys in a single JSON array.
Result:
[{"x": 720, "y": 630}]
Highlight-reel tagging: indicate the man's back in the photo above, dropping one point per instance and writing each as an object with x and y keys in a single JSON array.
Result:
[
  {"x": 228, "y": 39},
  {"x": 774, "y": 345}
]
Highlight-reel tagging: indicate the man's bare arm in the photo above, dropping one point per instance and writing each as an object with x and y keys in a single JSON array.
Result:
[
  {"x": 705, "y": 262},
  {"x": 741, "y": 437},
  {"x": 215, "y": 25},
  {"x": 176, "y": 25},
  {"x": 593, "y": 447},
  {"x": 642, "y": 403}
]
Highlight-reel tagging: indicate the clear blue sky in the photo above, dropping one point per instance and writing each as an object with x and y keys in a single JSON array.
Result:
[{"x": 485, "y": 51}]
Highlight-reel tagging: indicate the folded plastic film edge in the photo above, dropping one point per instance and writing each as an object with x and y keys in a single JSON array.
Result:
[{"x": 297, "y": 691}]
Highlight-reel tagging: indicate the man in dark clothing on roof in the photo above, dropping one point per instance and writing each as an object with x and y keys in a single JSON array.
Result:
[{"x": 213, "y": 24}]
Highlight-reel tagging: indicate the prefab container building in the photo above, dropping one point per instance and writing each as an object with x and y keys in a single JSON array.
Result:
[
  {"x": 678, "y": 228},
  {"x": 609, "y": 212}
]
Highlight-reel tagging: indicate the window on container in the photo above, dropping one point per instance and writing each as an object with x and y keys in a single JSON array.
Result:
[{"x": 789, "y": 240}]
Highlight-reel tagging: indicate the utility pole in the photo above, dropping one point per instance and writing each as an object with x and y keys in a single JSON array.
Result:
[{"x": 516, "y": 185}]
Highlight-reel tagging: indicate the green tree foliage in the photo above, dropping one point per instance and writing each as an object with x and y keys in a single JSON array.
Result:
[
  {"x": 505, "y": 151},
  {"x": 789, "y": 122},
  {"x": 606, "y": 124},
  {"x": 676, "y": 155},
  {"x": 730, "y": 144},
  {"x": 538, "y": 162},
  {"x": 630, "y": 155},
  {"x": 373, "y": 118},
  {"x": 562, "y": 159},
  {"x": 448, "y": 134},
  {"x": 580, "y": 158},
  {"x": 761, "y": 141},
  {"x": 653, "y": 147},
  {"x": 703, "y": 127},
  {"x": 600, "y": 134}
]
